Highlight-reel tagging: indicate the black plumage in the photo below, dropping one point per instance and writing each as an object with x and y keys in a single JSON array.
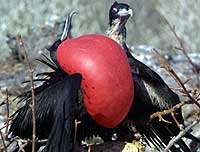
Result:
[
  {"x": 58, "y": 103},
  {"x": 61, "y": 137},
  {"x": 56, "y": 109}
]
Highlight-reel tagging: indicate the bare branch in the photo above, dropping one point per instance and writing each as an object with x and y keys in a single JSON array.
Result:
[
  {"x": 75, "y": 132},
  {"x": 21, "y": 147},
  {"x": 182, "y": 48},
  {"x": 158, "y": 114},
  {"x": 7, "y": 111},
  {"x": 175, "y": 120},
  {"x": 180, "y": 135},
  {"x": 171, "y": 72},
  {"x": 3, "y": 141},
  {"x": 165, "y": 112},
  {"x": 21, "y": 43},
  {"x": 4, "y": 126}
]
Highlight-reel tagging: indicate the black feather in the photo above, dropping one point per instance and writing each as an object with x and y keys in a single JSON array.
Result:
[
  {"x": 53, "y": 50},
  {"x": 55, "y": 112},
  {"x": 152, "y": 94},
  {"x": 61, "y": 137}
]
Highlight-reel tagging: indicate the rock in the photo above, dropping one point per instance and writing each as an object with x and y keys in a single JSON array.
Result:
[{"x": 135, "y": 146}]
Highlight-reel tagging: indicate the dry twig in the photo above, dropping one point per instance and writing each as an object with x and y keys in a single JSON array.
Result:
[
  {"x": 4, "y": 126},
  {"x": 180, "y": 135},
  {"x": 192, "y": 98},
  {"x": 7, "y": 111},
  {"x": 171, "y": 72},
  {"x": 75, "y": 131},
  {"x": 21, "y": 43},
  {"x": 3, "y": 141},
  {"x": 176, "y": 121},
  {"x": 159, "y": 114},
  {"x": 22, "y": 146},
  {"x": 195, "y": 68}
]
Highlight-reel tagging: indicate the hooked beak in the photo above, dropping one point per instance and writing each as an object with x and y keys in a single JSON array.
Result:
[
  {"x": 124, "y": 12},
  {"x": 123, "y": 16}
]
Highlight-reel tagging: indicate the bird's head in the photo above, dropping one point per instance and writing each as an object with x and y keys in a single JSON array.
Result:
[{"x": 118, "y": 16}]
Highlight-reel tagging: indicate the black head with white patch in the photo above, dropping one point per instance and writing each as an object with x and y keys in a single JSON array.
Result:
[
  {"x": 119, "y": 13},
  {"x": 118, "y": 16}
]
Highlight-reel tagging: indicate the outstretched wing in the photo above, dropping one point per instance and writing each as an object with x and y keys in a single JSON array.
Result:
[
  {"x": 56, "y": 108},
  {"x": 46, "y": 97}
]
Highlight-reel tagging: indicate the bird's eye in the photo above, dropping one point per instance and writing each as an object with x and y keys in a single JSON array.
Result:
[{"x": 114, "y": 10}]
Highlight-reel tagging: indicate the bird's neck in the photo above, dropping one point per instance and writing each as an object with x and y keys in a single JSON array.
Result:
[
  {"x": 117, "y": 35},
  {"x": 120, "y": 38}
]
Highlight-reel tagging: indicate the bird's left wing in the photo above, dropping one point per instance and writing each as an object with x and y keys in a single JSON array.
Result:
[
  {"x": 56, "y": 108},
  {"x": 61, "y": 137}
]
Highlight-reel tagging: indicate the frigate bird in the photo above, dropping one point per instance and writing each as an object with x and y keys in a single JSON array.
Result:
[
  {"x": 59, "y": 100},
  {"x": 58, "y": 103},
  {"x": 152, "y": 94}
]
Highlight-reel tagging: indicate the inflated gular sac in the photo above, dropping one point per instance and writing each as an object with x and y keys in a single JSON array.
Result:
[{"x": 107, "y": 81}]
